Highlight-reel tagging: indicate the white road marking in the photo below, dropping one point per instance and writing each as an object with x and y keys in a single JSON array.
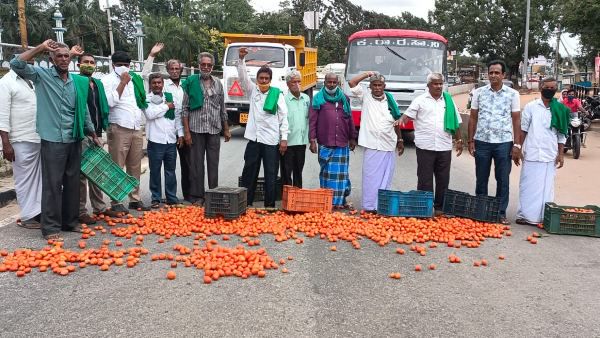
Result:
[{"x": 9, "y": 220}]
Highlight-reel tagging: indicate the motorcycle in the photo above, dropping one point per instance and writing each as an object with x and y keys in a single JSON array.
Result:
[
  {"x": 591, "y": 104},
  {"x": 576, "y": 136}
]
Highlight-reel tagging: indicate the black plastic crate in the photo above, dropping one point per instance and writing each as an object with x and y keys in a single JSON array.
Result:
[
  {"x": 259, "y": 193},
  {"x": 225, "y": 201},
  {"x": 480, "y": 208}
]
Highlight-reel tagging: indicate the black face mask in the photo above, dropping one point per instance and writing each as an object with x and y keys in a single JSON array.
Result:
[{"x": 548, "y": 93}]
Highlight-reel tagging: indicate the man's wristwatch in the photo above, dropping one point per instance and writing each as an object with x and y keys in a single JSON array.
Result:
[
  {"x": 400, "y": 140},
  {"x": 518, "y": 146}
]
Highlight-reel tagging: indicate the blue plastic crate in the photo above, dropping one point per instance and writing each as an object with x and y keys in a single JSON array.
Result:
[{"x": 413, "y": 203}]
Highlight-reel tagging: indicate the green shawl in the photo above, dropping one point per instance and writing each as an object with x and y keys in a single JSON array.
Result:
[
  {"x": 451, "y": 124},
  {"x": 270, "y": 105},
  {"x": 392, "y": 106},
  {"x": 192, "y": 87},
  {"x": 170, "y": 114},
  {"x": 140, "y": 92},
  {"x": 82, "y": 87},
  {"x": 322, "y": 96},
  {"x": 103, "y": 103},
  {"x": 561, "y": 115}
]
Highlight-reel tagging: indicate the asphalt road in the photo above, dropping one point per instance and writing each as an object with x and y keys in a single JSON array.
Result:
[{"x": 546, "y": 290}]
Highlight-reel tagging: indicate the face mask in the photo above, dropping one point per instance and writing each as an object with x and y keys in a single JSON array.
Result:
[
  {"x": 156, "y": 99},
  {"x": 87, "y": 69},
  {"x": 548, "y": 93},
  {"x": 570, "y": 97},
  {"x": 205, "y": 75},
  {"x": 121, "y": 69},
  {"x": 331, "y": 91},
  {"x": 264, "y": 87}
]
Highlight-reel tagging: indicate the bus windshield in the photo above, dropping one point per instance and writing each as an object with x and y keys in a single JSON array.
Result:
[
  {"x": 398, "y": 59},
  {"x": 257, "y": 56}
]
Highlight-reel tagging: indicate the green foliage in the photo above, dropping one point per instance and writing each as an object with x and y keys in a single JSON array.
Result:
[
  {"x": 495, "y": 29},
  {"x": 583, "y": 19}
]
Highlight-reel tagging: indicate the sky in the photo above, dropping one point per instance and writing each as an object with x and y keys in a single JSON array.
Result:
[
  {"x": 418, "y": 8},
  {"x": 392, "y": 7}
]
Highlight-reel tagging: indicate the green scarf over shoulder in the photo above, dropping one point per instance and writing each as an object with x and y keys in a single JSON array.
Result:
[
  {"x": 270, "y": 105},
  {"x": 170, "y": 114},
  {"x": 323, "y": 96},
  {"x": 103, "y": 103},
  {"x": 82, "y": 87},
  {"x": 561, "y": 115},
  {"x": 392, "y": 106},
  {"x": 451, "y": 124},
  {"x": 192, "y": 87},
  {"x": 139, "y": 91}
]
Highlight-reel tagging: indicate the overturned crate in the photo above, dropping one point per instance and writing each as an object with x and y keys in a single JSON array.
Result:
[
  {"x": 306, "y": 200},
  {"x": 413, "y": 203},
  {"x": 259, "y": 192},
  {"x": 230, "y": 203},
  {"x": 98, "y": 166},
  {"x": 480, "y": 208}
]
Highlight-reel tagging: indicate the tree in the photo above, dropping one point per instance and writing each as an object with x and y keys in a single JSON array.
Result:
[
  {"x": 582, "y": 18},
  {"x": 38, "y": 26},
  {"x": 495, "y": 29},
  {"x": 87, "y": 25}
]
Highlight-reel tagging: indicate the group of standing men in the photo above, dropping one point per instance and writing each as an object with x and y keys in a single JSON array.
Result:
[
  {"x": 45, "y": 132},
  {"x": 48, "y": 113}
]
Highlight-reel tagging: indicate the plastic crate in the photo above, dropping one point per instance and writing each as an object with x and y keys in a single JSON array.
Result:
[
  {"x": 230, "y": 203},
  {"x": 259, "y": 192},
  {"x": 307, "y": 200},
  {"x": 561, "y": 222},
  {"x": 480, "y": 208},
  {"x": 413, "y": 203},
  {"x": 98, "y": 166}
]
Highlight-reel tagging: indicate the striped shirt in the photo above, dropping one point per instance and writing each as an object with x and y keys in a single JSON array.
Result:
[{"x": 210, "y": 118}]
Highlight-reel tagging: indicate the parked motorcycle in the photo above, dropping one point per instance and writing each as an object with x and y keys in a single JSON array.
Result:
[
  {"x": 592, "y": 105},
  {"x": 576, "y": 136}
]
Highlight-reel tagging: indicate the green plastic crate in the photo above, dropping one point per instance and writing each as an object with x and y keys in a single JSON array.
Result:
[
  {"x": 98, "y": 166},
  {"x": 561, "y": 222}
]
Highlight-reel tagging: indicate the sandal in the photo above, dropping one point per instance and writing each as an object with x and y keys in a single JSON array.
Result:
[
  {"x": 29, "y": 224},
  {"x": 54, "y": 238}
]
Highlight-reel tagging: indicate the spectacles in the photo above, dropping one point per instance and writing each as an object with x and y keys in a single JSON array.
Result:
[{"x": 206, "y": 65}]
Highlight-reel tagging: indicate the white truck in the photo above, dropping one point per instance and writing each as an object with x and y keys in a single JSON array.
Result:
[{"x": 281, "y": 53}]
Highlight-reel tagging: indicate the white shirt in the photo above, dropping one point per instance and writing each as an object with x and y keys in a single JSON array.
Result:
[
  {"x": 18, "y": 109},
  {"x": 376, "y": 122},
  {"x": 541, "y": 143},
  {"x": 158, "y": 128},
  {"x": 263, "y": 127},
  {"x": 169, "y": 86},
  {"x": 122, "y": 110},
  {"x": 428, "y": 115}
]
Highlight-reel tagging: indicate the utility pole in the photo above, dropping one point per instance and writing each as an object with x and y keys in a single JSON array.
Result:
[
  {"x": 526, "y": 53},
  {"x": 22, "y": 23},
  {"x": 110, "y": 32},
  {"x": 556, "y": 68}
]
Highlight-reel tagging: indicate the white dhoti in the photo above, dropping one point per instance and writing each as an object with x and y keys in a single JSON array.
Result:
[
  {"x": 27, "y": 172},
  {"x": 377, "y": 173},
  {"x": 536, "y": 188}
]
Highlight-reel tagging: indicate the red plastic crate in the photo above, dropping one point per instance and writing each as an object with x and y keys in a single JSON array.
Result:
[{"x": 307, "y": 200}]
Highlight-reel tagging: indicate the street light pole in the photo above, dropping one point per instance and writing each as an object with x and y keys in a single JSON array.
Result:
[
  {"x": 139, "y": 34},
  {"x": 110, "y": 31},
  {"x": 1, "y": 50},
  {"x": 526, "y": 53}
]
